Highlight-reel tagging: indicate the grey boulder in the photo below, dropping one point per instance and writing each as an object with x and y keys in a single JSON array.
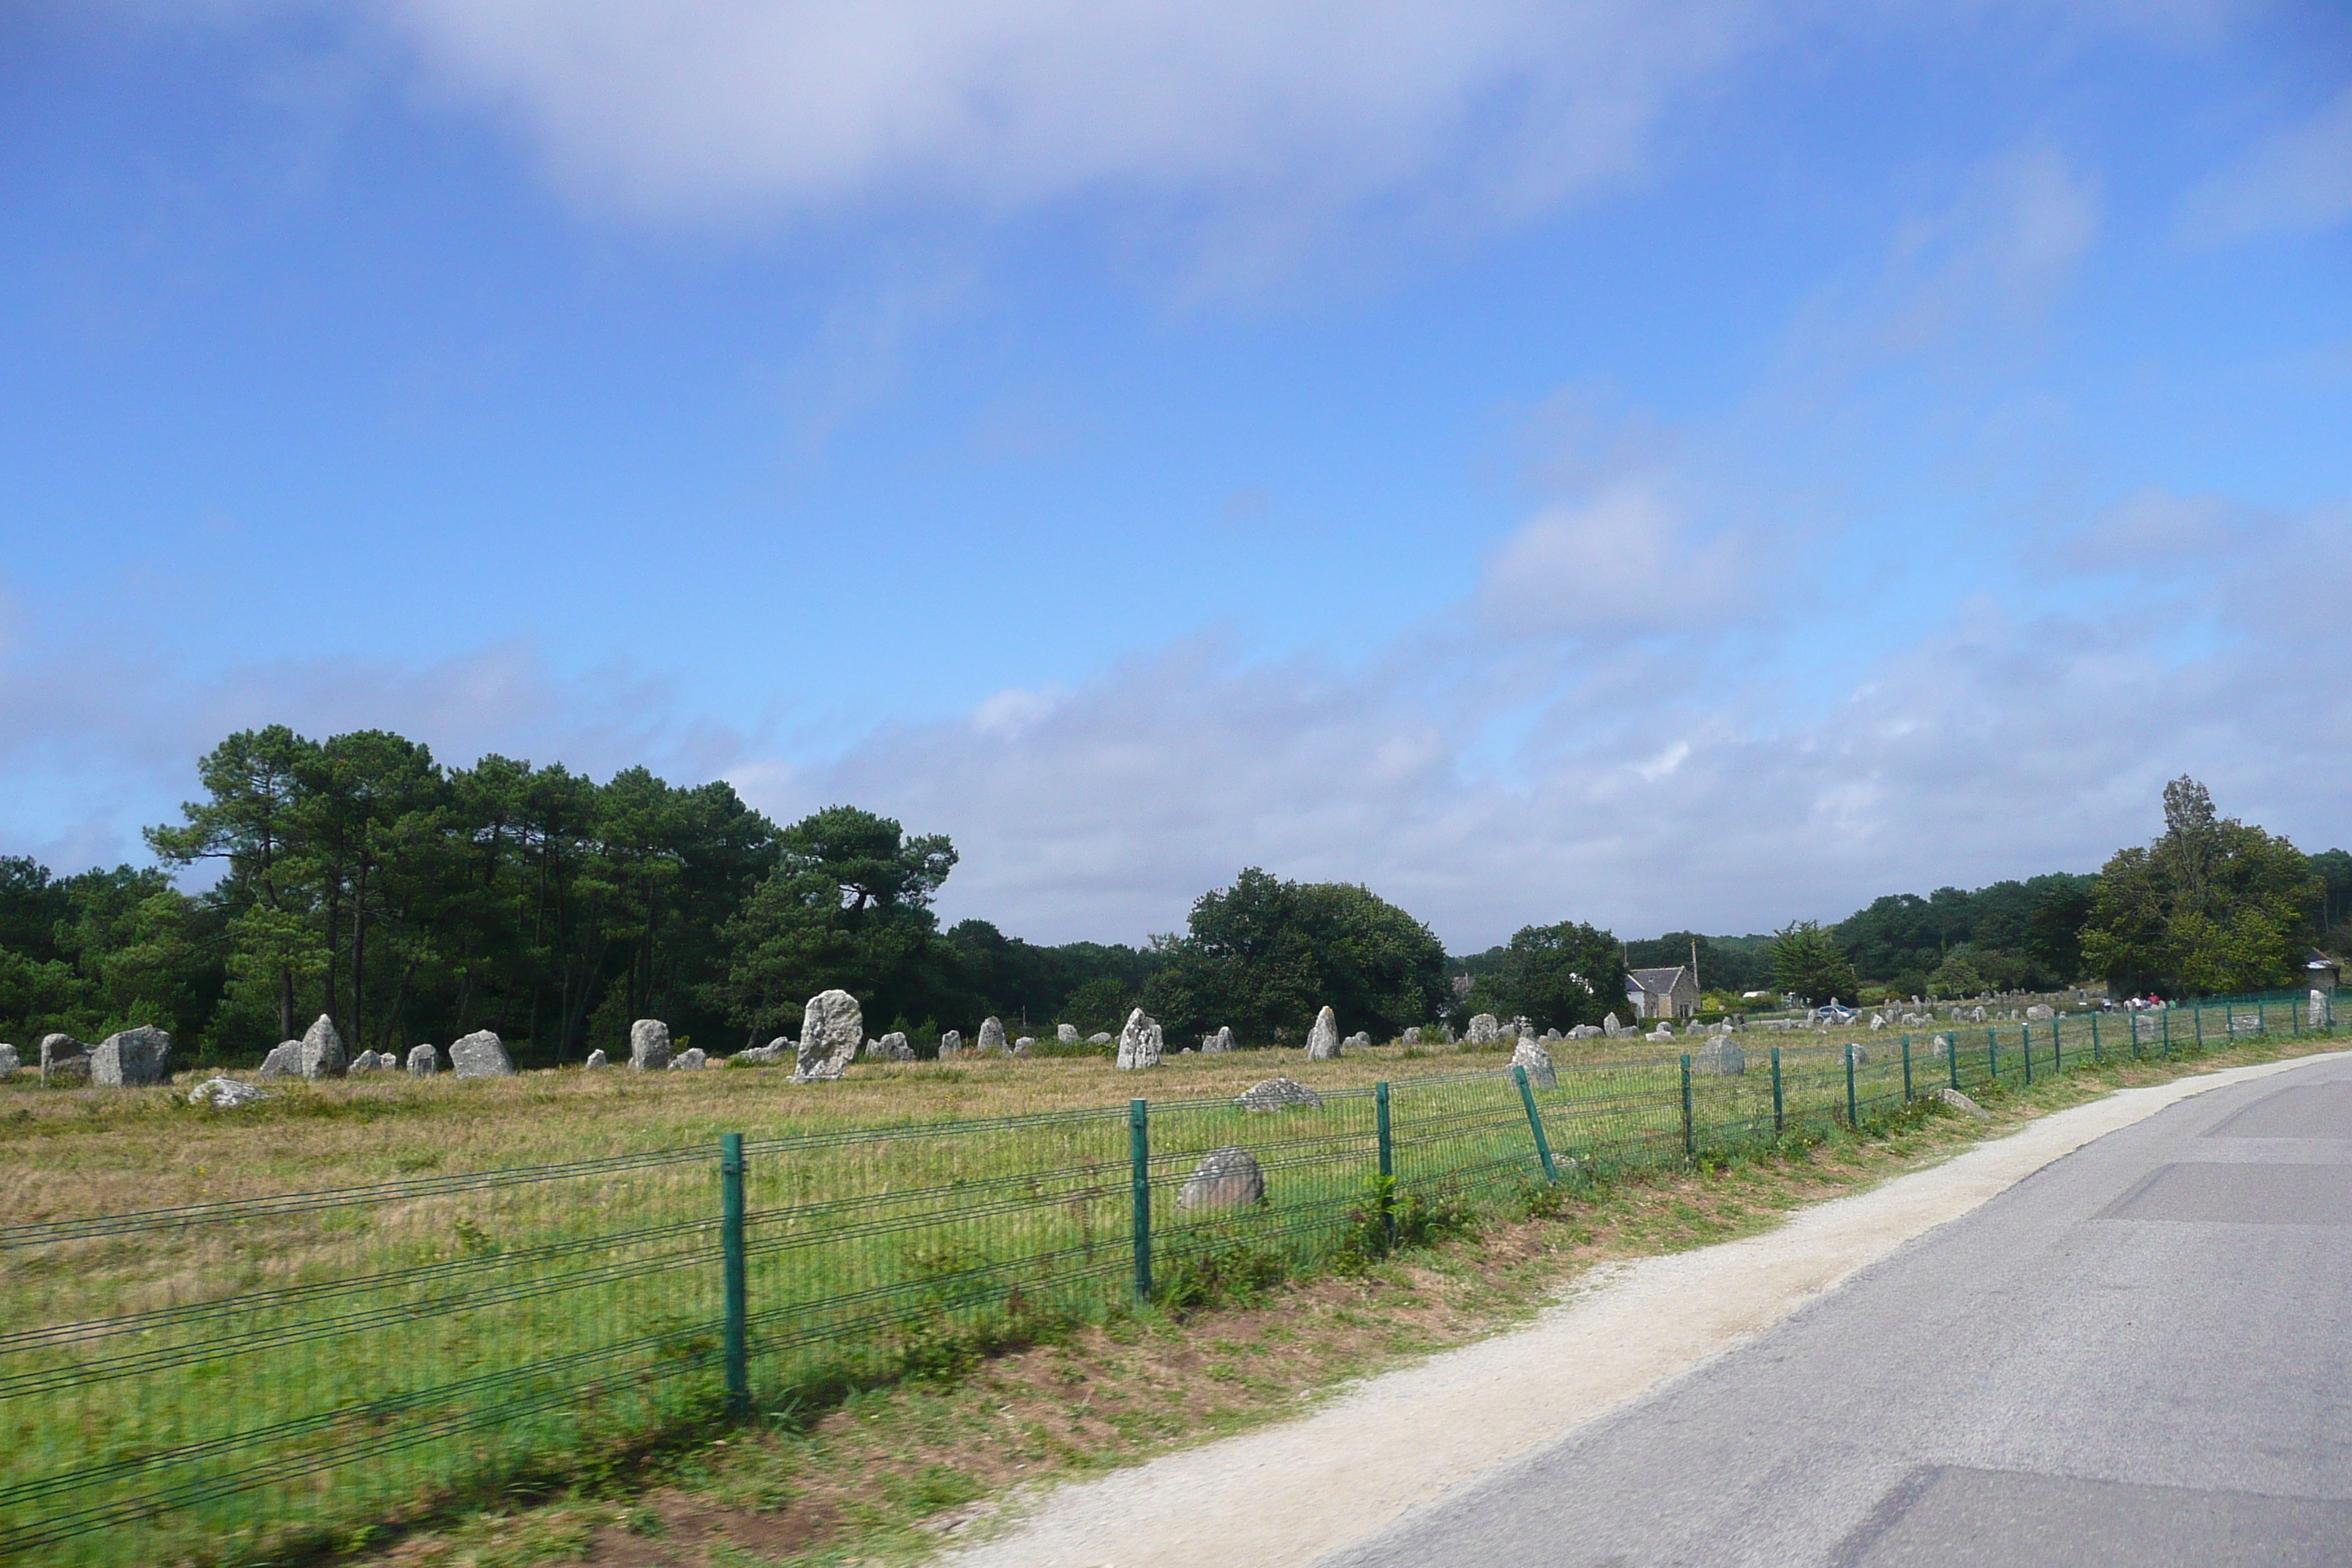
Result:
[
  {"x": 1719, "y": 1056},
  {"x": 991, "y": 1037},
  {"x": 63, "y": 1060},
  {"x": 1485, "y": 1029},
  {"x": 1066, "y": 1034},
  {"x": 597, "y": 1060},
  {"x": 833, "y": 1027},
  {"x": 778, "y": 1049},
  {"x": 950, "y": 1044},
  {"x": 691, "y": 1059},
  {"x": 1224, "y": 1179},
  {"x": 226, "y": 1094},
  {"x": 322, "y": 1050},
  {"x": 9, "y": 1061},
  {"x": 1279, "y": 1094},
  {"x": 1218, "y": 1043},
  {"x": 1542, "y": 1072},
  {"x": 1323, "y": 1039},
  {"x": 1106, "y": 1037},
  {"x": 648, "y": 1044},
  {"x": 424, "y": 1061},
  {"x": 480, "y": 1055},
  {"x": 283, "y": 1061},
  {"x": 1140, "y": 1043},
  {"x": 1962, "y": 1103},
  {"x": 1412, "y": 1036},
  {"x": 134, "y": 1057}
]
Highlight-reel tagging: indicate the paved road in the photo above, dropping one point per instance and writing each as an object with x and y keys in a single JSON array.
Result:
[{"x": 2141, "y": 1355}]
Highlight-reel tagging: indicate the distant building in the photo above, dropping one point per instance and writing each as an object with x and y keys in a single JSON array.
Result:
[{"x": 1663, "y": 993}]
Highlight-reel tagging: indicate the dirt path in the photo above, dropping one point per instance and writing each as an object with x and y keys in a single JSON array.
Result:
[{"x": 1288, "y": 1494}]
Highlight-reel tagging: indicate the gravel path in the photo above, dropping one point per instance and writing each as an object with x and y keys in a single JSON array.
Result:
[{"x": 1291, "y": 1493}]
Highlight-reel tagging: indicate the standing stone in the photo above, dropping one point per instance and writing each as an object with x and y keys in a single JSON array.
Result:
[
  {"x": 284, "y": 1060},
  {"x": 892, "y": 1047},
  {"x": 991, "y": 1037},
  {"x": 1721, "y": 1056},
  {"x": 1066, "y": 1034},
  {"x": 63, "y": 1060},
  {"x": 1279, "y": 1094},
  {"x": 649, "y": 1044},
  {"x": 690, "y": 1059},
  {"x": 1860, "y": 1057},
  {"x": 1485, "y": 1029},
  {"x": 596, "y": 1059},
  {"x": 2039, "y": 1013},
  {"x": 1551, "y": 1034},
  {"x": 2318, "y": 1016},
  {"x": 1542, "y": 1072},
  {"x": 1323, "y": 1039},
  {"x": 1219, "y": 1043},
  {"x": 226, "y": 1094},
  {"x": 950, "y": 1044},
  {"x": 1584, "y": 1032},
  {"x": 1611, "y": 1026},
  {"x": 480, "y": 1055},
  {"x": 831, "y": 1028},
  {"x": 9, "y": 1061},
  {"x": 1359, "y": 1041},
  {"x": 322, "y": 1050},
  {"x": 134, "y": 1057},
  {"x": 1138, "y": 1043},
  {"x": 1224, "y": 1179},
  {"x": 365, "y": 1062},
  {"x": 424, "y": 1062},
  {"x": 774, "y": 1051},
  {"x": 1412, "y": 1036},
  {"x": 1019, "y": 1048},
  {"x": 1104, "y": 1038}
]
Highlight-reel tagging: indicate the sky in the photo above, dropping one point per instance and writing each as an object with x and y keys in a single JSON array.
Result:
[{"x": 1667, "y": 463}]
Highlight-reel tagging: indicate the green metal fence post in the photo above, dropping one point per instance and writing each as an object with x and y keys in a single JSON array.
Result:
[
  {"x": 1535, "y": 1122},
  {"x": 730, "y": 1252},
  {"x": 1952, "y": 1054},
  {"x": 2057, "y": 1049},
  {"x": 1853, "y": 1114},
  {"x": 1992, "y": 1054},
  {"x": 1690, "y": 1140},
  {"x": 1907, "y": 1069},
  {"x": 2197, "y": 1019},
  {"x": 1138, "y": 1151},
  {"x": 2166, "y": 1023},
  {"x": 2028, "y": 1054},
  {"x": 2094, "y": 1039},
  {"x": 1780, "y": 1115},
  {"x": 1388, "y": 1160}
]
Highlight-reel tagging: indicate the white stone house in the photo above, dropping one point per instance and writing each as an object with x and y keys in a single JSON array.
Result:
[{"x": 1663, "y": 993}]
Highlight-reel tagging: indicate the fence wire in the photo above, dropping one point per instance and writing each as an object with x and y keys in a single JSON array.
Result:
[{"x": 235, "y": 1382}]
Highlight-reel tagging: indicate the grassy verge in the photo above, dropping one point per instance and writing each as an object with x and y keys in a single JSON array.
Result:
[{"x": 886, "y": 1475}]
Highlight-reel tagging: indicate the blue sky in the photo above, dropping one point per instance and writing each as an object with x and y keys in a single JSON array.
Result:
[{"x": 1665, "y": 464}]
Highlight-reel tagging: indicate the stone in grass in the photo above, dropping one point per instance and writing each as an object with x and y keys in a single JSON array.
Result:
[
  {"x": 322, "y": 1050},
  {"x": 1065, "y": 1034},
  {"x": 1856, "y": 1052},
  {"x": 1412, "y": 1036},
  {"x": 1542, "y": 1072},
  {"x": 283, "y": 1061},
  {"x": 690, "y": 1059},
  {"x": 1962, "y": 1103},
  {"x": 950, "y": 1044},
  {"x": 2039, "y": 1013},
  {"x": 597, "y": 1060},
  {"x": 991, "y": 1037},
  {"x": 480, "y": 1055},
  {"x": 1323, "y": 1040},
  {"x": 1219, "y": 1043},
  {"x": 1224, "y": 1179},
  {"x": 1359, "y": 1041},
  {"x": 833, "y": 1027},
  {"x": 365, "y": 1062},
  {"x": 1104, "y": 1038},
  {"x": 895, "y": 1049},
  {"x": 649, "y": 1044},
  {"x": 1279, "y": 1094},
  {"x": 1021, "y": 1047},
  {"x": 1721, "y": 1056},
  {"x": 1611, "y": 1026},
  {"x": 226, "y": 1094},
  {"x": 134, "y": 1057},
  {"x": 9, "y": 1061},
  {"x": 63, "y": 1060},
  {"x": 1138, "y": 1043},
  {"x": 424, "y": 1061},
  {"x": 1485, "y": 1029}
]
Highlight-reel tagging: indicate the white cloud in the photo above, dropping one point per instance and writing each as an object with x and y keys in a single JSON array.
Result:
[
  {"x": 1606, "y": 561},
  {"x": 2297, "y": 181},
  {"x": 2000, "y": 255}
]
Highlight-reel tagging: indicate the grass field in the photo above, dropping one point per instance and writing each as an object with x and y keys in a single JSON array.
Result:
[{"x": 445, "y": 1317}]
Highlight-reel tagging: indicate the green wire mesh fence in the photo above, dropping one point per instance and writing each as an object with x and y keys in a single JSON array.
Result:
[{"x": 238, "y": 1383}]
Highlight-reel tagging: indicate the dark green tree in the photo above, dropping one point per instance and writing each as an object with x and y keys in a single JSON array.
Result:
[
  {"x": 1808, "y": 963},
  {"x": 1557, "y": 976}
]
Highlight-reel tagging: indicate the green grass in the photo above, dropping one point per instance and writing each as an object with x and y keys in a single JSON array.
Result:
[{"x": 451, "y": 1350}]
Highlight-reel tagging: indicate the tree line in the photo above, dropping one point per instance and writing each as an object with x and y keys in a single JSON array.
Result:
[{"x": 359, "y": 877}]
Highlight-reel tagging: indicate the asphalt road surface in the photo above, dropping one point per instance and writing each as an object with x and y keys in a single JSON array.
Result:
[{"x": 2140, "y": 1354}]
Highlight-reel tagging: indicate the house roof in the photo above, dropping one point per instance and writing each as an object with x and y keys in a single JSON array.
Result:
[{"x": 1659, "y": 981}]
